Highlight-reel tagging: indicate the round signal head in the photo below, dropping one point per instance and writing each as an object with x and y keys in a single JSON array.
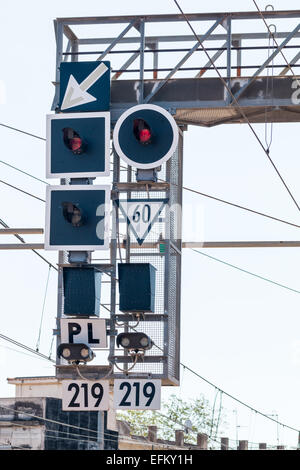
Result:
[{"x": 145, "y": 124}]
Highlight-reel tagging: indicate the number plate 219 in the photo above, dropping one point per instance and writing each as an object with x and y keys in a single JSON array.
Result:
[
  {"x": 79, "y": 395},
  {"x": 137, "y": 394}
]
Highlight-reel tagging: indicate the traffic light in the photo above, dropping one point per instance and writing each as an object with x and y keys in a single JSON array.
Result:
[
  {"x": 73, "y": 141},
  {"x": 78, "y": 145},
  {"x": 75, "y": 353},
  {"x": 77, "y": 217},
  {"x": 73, "y": 214},
  {"x": 82, "y": 291},
  {"x": 145, "y": 136},
  {"x": 134, "y": 341},
  {"x": 142, "y": 131},
  {"x": 136, "y": 287}
]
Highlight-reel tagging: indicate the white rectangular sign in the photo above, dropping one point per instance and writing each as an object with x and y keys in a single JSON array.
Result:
[
  {"x": 137, "y": 394},
  {"x": 80, "y": 395},
  {"x": 88, "y": 331}
]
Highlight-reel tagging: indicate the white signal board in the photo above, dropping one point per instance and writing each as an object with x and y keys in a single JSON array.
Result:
[
  {"x": 137, "y": 394},
  {"x": 80, "y": 395}
]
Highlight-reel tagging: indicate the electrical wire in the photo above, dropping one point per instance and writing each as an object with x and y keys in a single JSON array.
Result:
[
  {"x": 62, "y": 424},
  {"x": 186, "y": 367},
  {"x": 27, "y": 348},
  {"x": 23, "y": 172},
  {"x": 22, "y": 191},
  {"x": 213, "y": 413},
  {"x": 184, "y": 426},
  {"x": 274, "y": 40},
  {"x": 43, "y": 310},
  {"x": 238, "y": 105},
  {"x": 93, "y": 380},
  {"x": 245, "y": 271},
  {"x": 238, "y": 206},
  {"x": 241, "y": 402},
  {"x": 242, "y": 270},
  {"x": 4, "y": 224},
  {"x": 41, "y": 418},
  {"x": 228, "y": 394},
  {"x": 22, "y": 352},
  {"x": 22, "y": 132},
  {"x": 51, "y": 346},
  {"x": 219, "y": 415},
  {"x": 183, "y": 365},
  {"x": 79, "y": 436},
  {"x": 134, "y": 359}
]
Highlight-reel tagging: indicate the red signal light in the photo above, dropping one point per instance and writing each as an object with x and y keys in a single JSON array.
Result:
[
  {"x": 73, "y": 141},
  {"x": 145, "y": 136},
  {"x": 142, "y": 131}
]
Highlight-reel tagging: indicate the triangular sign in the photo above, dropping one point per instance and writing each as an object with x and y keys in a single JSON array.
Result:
[{"x": 141, "y": 214}]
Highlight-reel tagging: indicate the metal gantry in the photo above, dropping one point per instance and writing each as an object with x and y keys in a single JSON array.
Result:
[
  {"x": 173, "y": 71},
  {"x": 189, "y": 87}
]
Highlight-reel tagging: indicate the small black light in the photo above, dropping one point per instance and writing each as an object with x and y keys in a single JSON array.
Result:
[
  {"x": 73, "y": 214},
  {"x": 134, "y": 341},
  {"x": 75, "y": 353}
]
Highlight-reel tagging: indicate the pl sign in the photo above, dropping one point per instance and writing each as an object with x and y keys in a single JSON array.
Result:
[{"x": 88, "y": 331}]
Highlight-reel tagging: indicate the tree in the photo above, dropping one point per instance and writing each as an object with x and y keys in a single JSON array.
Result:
[{"x": 174, "y": 414}]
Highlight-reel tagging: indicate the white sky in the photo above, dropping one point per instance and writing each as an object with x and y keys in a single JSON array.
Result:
[{"x": 239, "y": 332}]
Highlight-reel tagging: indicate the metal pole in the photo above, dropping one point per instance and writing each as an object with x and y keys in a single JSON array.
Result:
[
  {"x": 228, "y": 26},
  {"x": 142, "y": 57}
]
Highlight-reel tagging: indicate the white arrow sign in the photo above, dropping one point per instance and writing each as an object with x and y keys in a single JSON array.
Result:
[
  {"x": 76, "y": 94},
  {"x": 141, "y": 214}
]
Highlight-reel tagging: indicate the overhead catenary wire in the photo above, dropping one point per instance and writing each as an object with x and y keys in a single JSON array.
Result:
[
  {"x": 181, "y": 363},
  {"x": 22, "y": 190},
  {"x": 228, "y": 394},
  {"x": 275, "y": 42},
  {"x": 62, "y": 424},
  {"x": 246, "y": 271},
  {"x": 43, "y": 310},
  {"x": 176, "y": 421},
  {"x": 27, "y": 133},
  {"x": 238, "y": 206},
  {"x": 22, "y": 352},
  {"x": 23, "y": 172},
  {"x": 27, "y": 348},
  {"x": 4, "y": 224},
  {"x": 21, "y": 131},
  {"x": 185, "y": 367},
  {"x": 238, "y": 106}
]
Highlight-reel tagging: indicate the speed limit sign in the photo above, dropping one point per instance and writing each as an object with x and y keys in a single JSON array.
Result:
[
  {"x": 134, "y": 394},
  {"x": 141, "y": 215}
]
